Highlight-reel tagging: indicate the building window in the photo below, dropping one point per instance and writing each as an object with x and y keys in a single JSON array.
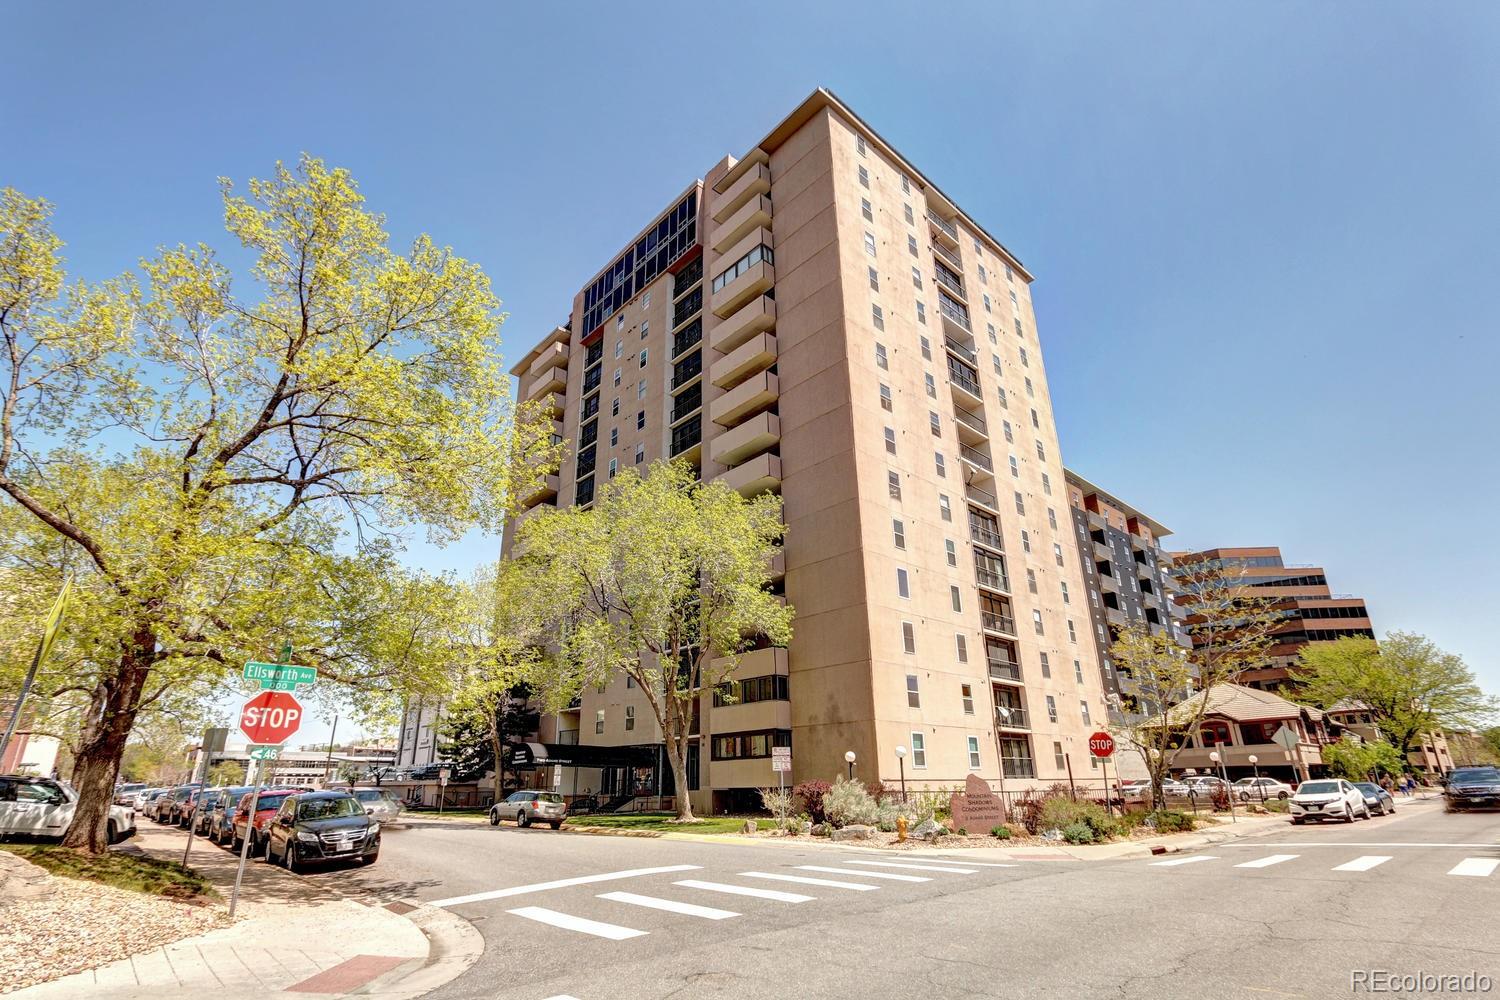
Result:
[
  {"x": 1057, "y": 552},
  {"x": 1066, "y": 598},
  {"x": 614, "y": 467},
  {"x": 1015, "y": 467},
  {"x": 1051, "y": 709},
  {"x": 1025, "y": 362},
  {"x": 918, "y": 750},
  {"x": 640, "y": 420},
  {"x": 645, "y": 327},
  {"x": 640, "y": 454},
  {"x": 890, "y": 440},
  {"x": 1046, "y": 479},
  {"x": 906, "y": 210},
  {"x": 870, "y": 243},
  {"x": 926, "y": 348},
  {"x": 945, "y": 509},
  {"x": 986, "y": 299},
  {"x": 629, "y": 717},
  {"x": 911, "y": 245},
  {"x": 599, "y": 721},
  {"x": 1036, "y": 621},
  {"x": 1041, "y": 452},
  {"x": 865, "y": 210},
  {"x": 893, "y": 484},
  {"x": 922, "y": 312},
  {"x": 957, "y": 598},
  {"x": 864, "y": 177},
  {"x": 1052, "y": 518},
  {"x": 913, "y": 698},
  {"x": 749, "y": 746},
  {"x": 619, "y": 348},
  {"x": 1020, "y": 504},
  {"x": 916, "y": 276},
  {"x": 898, "y": 532},
  {"x": 1046, "y": 666},
  {"x": 1072, "y": 632},
  {"x": 931, "y": 384},
  {"x": 983, "y": 278},
  {"x": 1078, "y": 671},
  {"x": 941, "y": 464},
  {"x": 880, "y": 360},
  {"x": 908, "y": 637},
  {"x": 995, "y": 362},
  {"x": 616, "y": 377},
  {"x": 1000, "y": 391},
  {"x": 902, "y": 586},
  {"x": 642, "y": 358},
  {"x": 614, "y": 407},
  {"x": 885, "y": 397},
  {"x": 935, "y": 422},
  {"x": 1025, "y": 540},
  {"x": 640, "y": 389},
  {"x": 974, "y": 762},
  {"x": 1009, "y": 434},
  {"x": 877, "y": 317},
  {"x": 1030, "y": 389},
  {"x": 961, "y": 643},
  {"x": 614, "y": 437},
  {"x": 1083, "y": 708},
  {"x": 620, "y": 322},
  {"x": 952, "y": 551},
  {"x": 966, "y": 692},
  {"x": 1031, "y": 580},
  {"x": 874, "y": 280},
  {"x": 859, "y": 144}
]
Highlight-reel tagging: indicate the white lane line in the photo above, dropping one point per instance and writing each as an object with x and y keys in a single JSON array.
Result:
[
  {"x": 1475, "y": 867},
  {"x": 963, "y": 861},
  {"x": 916, "y": 868},
  {"x": 746, "y": 890},
  {"x": 520, "y": 890},
  {"x": 670, "y": 905},
  {"x": 890, "y": 876},
  {"x": 1363, "y": 864},
  {"x": 804, "y": 880},
  {"x": 1353, "y": 843},
  {"x": 568, "y": 922},
  {"x": 1266, "y": 862},
  {"x": 563, "y": 996},
  {"x": 1173, "y": 863}
]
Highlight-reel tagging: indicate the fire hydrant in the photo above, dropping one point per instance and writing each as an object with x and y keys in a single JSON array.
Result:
[{"x": 900, "y": 829}]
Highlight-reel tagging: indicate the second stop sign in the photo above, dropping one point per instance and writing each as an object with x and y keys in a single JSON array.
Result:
[{"x": 270, "y": 717}]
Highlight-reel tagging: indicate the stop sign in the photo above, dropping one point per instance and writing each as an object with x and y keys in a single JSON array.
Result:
[
  {"x": 1101, "y": 744},
  {"x": 270, "y": 717}
]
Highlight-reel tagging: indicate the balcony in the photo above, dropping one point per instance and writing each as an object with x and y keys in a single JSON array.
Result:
[
  {"x": 687, "y": 307},
  {"x": 757, "y": 475},
  {"x": 955, "y": 315},
  {"x": 977, "y": 458},
  {"x": 554, "y": 406},
  {"x": 687, "y": 437},
  {"x": 999, "y": 623},
  {"x": 777, "y": 567},
  {"x": 545, "y": 489},
  {"x": 552, "y": 380},
  {"x": 753, "y": 317},
  {"x": 1014, "y": 717},
  {"x": 525, "y": 517},
  {"x": 949, "y": 278},
  {"x": 943, "y": 230},
  {"x": 754, "y": 214},
  {"x": 754, "y": 355},
  {"x": 971, "y": 426},
  {"x": 984, "y": 534},
  {"x": 961, "y": 349},
  {"x": 760, "y": 433},
  {"x": 994, "y": 580},
  {"x": 755, "y": 181},
  {"x": 554, "y": 355},
  {"x": 750, "y": 396},
  {"x": 1005, "y": 670},
  {"x": 964, "y": 376},
  {"x": 948, "y": 255},
  {"x": 687, "y": 401},
  {"x": 688, "y": 337},
  {"x": 755, "y": 281},
  {"x": 982, "y": 497}
]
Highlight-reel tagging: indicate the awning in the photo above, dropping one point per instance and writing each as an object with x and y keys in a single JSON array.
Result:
[{"x": 524, "y": 756}]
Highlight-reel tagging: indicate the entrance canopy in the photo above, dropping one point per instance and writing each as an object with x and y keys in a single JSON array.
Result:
[{"x": 527, "y": 756}]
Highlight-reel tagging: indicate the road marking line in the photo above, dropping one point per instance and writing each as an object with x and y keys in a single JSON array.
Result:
[
  {"x": 1353, "y": 843},
  {"x": 670, "y": 905},
  {"x": 965, "y": 862},
  {"x": 830, "y": 883},
  {"x": 1475, "y": 867},
  {"x": 892, "y": 876},
  {"x": 1274, "y": 859},
  {"x": 1184, "y": 861},
  {"x": 520, "y": 890},
  {"x": 1363, "y": 864},
  {"x": 568, "y": 922},
  {"x": 916, "y": 868},
  {"x": 563, "y": 996},
  {"x": 746, "y": 890}
]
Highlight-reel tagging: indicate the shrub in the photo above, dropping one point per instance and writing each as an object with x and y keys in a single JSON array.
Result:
[
  {"x": 811, "y": 793},
  {"x": 1061, "y": 813},
  {"x": 848, "y": 803},
  {"x": 1078, "y": 833},
  {"x": 1221, "y": 798},
  {"x": 887, "y": 813},
  {"x": 1001, "y": 832},
  {"x": 1172, "y": 821},
  {"x": 922, "y": 806},
  {"x": 962, "y": 831},
  {"x": 780, "y": 803}
]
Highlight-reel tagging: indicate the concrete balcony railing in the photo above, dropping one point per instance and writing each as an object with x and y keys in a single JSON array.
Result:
[
  {"x": 754, "y": 476},
  {"x": 756, "y": 354},
  {"x": 754, "y": 213},
  {"x": 750, "y": 396},
  {"x": 760, "y": 433},
  {"x": 552, "y": 380},
  {"x": 756, "y": 663},
  {"x": 754, "y": 282},
  {"x": 546, "y": 489},
  {"x": 777, "y": 569},
  {"x": 751, "y": 318},
  {"x": 553, "y": 356},
  {"x": 754, "y": 181},
  {"x": 554, "y": 405}
]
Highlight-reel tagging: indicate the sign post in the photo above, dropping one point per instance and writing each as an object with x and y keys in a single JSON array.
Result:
[
  {"x": 1102, "y": 745},
  {"x": 781, "y": 763},
  {"x": 443, "y": 774},
  {"x": 1286, "y": 737}
]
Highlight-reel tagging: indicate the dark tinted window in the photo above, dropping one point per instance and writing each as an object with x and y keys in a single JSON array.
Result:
[
  {"x": 329, "y": 808},
  {"x": 1475, "y": 776}
]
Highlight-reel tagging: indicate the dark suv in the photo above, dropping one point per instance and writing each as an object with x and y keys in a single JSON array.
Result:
[
  {"x": 321, "y": 826},
  {"x": 1472, "y": 788},
  {"x": 169, "y": 804}
]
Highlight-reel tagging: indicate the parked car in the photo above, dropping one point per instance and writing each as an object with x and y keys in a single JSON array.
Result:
[
  {"x": 528, "y": 807},
  {"x": 311, "y": 827},
  {"x": 1262, "y": 789},
  {"x": 1472, "y": 788},
  {"x": 254, "y": 829},
  {"x": 1332, "y": 798},
  {"x": 1378, "y": 799},
  {"x": 211, "y": 803},
  {"x": 1135, "y": 790},
  {"x": 125, "y": 794},
  {"x": 381, "y": 803},
  {"x": 188, "y": 807},
  {"x": 142, "y": 798},
  {"x": 41, "y": 807},
  {"x": 220, "y": 821},
  {"x": 170, "y": 802}
]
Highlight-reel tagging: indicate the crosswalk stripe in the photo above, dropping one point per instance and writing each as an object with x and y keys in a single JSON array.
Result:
[
  {"x": 830, "y": 883},
  {"x": 746, "y": 890},
  {"x": 519, "y": 890},
  {"x": 1266, "y": 862},
  {"x": 1363, "y": 864},
  {"x": 569, "y": 922},
  {"x": 1475, "y": 867},
  {"x": 670, "y": 905},
  {"x": 1174, "y": 862},
  {"x": 967, "y": 863},
  {"x": 916, "y": 868},
  {"x": 890, "y": 876}
]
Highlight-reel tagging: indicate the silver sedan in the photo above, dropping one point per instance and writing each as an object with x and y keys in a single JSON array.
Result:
[{"x": 379, "y": 803}]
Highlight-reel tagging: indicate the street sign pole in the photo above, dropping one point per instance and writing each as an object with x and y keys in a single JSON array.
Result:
[{"x": 239, "y": 873}]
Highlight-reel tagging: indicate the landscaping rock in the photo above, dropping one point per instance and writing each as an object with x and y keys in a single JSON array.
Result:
[
  {"x": 807, "y": 828},
  {"x": 928, "y": 829},
  {"x": 749, "y": 826},
  {"x": 853, "y": 832}
]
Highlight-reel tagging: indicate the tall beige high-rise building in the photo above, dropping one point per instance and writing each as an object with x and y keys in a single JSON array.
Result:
[{"x": 816, "y": 317}]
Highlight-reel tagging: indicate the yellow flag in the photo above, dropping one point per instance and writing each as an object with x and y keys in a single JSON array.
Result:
[{"x": 54, "y": 620}]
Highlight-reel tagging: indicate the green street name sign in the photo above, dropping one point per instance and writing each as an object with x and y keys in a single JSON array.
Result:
[
  {"x": 265, "y": 752},
  {"x": 280, "y": 676}
]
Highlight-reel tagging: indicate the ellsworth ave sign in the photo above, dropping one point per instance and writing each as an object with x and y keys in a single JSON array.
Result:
[{"x": 280, "y": 676}]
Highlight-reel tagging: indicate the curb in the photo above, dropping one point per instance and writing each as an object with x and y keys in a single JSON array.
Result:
[{"x": 454, "y": 945}]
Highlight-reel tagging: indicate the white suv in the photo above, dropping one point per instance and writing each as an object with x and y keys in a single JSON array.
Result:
[
  {"x": 40, "y": 807},
  {"x": 1329, "y": 798}
]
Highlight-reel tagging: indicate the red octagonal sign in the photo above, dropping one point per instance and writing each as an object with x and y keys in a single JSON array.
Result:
[
  {"x": 1101, "y": 744},
  {"x": 270, "y": 717}
]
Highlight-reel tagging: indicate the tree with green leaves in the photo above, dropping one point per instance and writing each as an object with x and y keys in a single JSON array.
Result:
[
  {"x": 1409, "y": 685},
  {"x": 224, "y": 473},
  {"x": 226, "y": 772},
  {"x": 666, "y": 580},
  {"x": 1363, "y": 760}
]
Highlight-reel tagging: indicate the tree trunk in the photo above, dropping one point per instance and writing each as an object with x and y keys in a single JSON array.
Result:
[
  {"x": 112, "y": 712},
  {"x": 497, "y": 747},
  {"x": 677, "y": 757}
]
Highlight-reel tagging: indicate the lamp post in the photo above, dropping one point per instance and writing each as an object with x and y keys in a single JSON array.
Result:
[
  {"x": 1255, "y": 763},
  {"x": 849, "y": 759},
  {"x": 901, "y": 763}
]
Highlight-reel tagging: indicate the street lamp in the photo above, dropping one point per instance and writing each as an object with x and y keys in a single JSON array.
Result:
[
  {"x": 849, "y": 759},
  {"x": 1255, "y": 763},
  {"x": 901, "y": 762}
]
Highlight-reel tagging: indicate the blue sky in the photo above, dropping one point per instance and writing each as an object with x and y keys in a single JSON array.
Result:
[{"x": 1264, "y": 235}]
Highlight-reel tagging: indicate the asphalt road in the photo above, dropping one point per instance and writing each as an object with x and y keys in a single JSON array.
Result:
[{"x": 1293, "y": 913}]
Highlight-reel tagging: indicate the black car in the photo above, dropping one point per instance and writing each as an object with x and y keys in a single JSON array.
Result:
[
  {"x": 210, "y": 804},
  {"x": 312, "y": 827},
  {"x": 1472, "y": 788},
  {"x": 169, "y": 803}
]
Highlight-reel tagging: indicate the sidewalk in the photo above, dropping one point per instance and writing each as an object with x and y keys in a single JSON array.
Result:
[{"x": 290, "y": 934}]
